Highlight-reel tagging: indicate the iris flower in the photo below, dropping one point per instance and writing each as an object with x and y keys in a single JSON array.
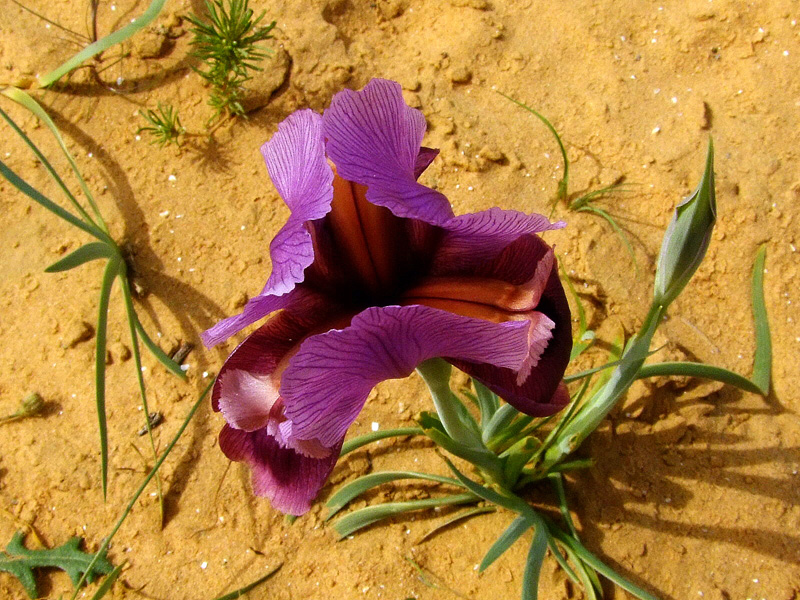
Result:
[{"x": 371, "y": 275}]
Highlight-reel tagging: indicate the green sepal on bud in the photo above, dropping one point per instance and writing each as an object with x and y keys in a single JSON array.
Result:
[{"x": 687, "y": 237}]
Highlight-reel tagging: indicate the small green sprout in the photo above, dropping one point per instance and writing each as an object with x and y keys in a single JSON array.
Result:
[
  {"x": 228, "y": 47},
  {"x": 164, "y": 125}
]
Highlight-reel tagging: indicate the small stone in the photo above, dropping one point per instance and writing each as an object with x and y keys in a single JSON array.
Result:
[
  {"x": 77, "y": 331},
  {"x": 119, "y": 352},
  {"x": 391, "y": 9},
  {"x": 491, "y": 154},
  {"x": 275, "y": 70},
  {"x": 460, "y": 75},
  {"x": 151, "y": 43}
]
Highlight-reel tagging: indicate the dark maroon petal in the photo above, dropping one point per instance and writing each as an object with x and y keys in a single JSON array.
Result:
[
  {"x": 328, "y": 380},
  {"x": 374, "y": 139},
  {"x": 290, "y": 480},
  {"x": 261, "y": 351},
  {"x": 539, "y": 394}
]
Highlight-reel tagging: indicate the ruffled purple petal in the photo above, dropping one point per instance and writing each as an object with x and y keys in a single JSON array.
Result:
[
  {"x": 289, "y": 479},
  {"x": 374, "y": 139},
  {"x": 328, "y": 380},
  {"x": 476, "y": 238},
  {"x": 295, "y": 158}
]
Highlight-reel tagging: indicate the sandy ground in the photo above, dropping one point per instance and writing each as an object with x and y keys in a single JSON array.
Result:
[{"x": 696, "y": 491}]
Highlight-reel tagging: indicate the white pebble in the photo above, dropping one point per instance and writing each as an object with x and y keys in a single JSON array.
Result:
[{"x": 375, "y": 426}]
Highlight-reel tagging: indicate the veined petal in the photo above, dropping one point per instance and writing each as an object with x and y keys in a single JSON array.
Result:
[
  {"x": 289, "y": 479},
  {"x": 374, "y": 139},
  {"x": 424, "y": 159},
  {"x": 296, "y": 162},
  {"x": 295, "y": 158},
  {"x": 328, "y": 380},
  {"x": 476, "y": 238}
]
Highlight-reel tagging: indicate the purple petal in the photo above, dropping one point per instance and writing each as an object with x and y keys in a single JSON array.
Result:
[
  {"x": 296, "y": 162},
  {"x": 374, "y": 139},
  {"x": 290, "y": 480},
  {"x": 475, "y": 238},
  {"x": 256, "y": 308},
  {"x": 328, "y": 380}
]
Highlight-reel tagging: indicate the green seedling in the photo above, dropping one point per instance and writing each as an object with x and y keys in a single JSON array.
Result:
[
  {"x": 583, "y": 202},
  {"x": 164, "y": 125},
  {"x": 80, "y": 566},
  {"x": 103, "y": 248},
  {"x": 228, "y": 47}
]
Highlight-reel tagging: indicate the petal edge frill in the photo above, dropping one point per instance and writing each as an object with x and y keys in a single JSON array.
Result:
[{"x": 384, "y": 343}]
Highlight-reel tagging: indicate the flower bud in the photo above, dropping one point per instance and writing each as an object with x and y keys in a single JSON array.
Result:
[
  {"x": 687, "y": 237},
  {"x": 32, "y": 404}
]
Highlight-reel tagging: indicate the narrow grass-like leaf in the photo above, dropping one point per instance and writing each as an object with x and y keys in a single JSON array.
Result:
[
  {"x": 564, "y": 182},
  {"x": 461, "y": 516},
  {"x": 368, "y": 438},
  {"x": 762, "y": 363},
  {"x": 617, "y": 229},
  {"x": 137, "y": 361},
  {"x": 28, "y": 102},
  {"x": 558, "y": 483},
  {"x": 48, "y": 167},
  {"x": 598, "y": 565},
  {"x": 109, "y": 275},
  {"x": 352, "y": 490},
  {"x": 250, "y": 586},
  {"x": 157, "y": 352},
  {"x": 588, "y": 197},
  {"x": 107, "y": 540},
  {"x": 108, "y": 582},
  {"x": 514, "y": 531},
  {"x": 372, "y": 514},
  {"x": 488, "y": 402},
  {"x": 84, "y": 254},
  {"x": 689, "y": 369},
  {"x": 41, "y": 199},
  {"x": 501, "y": 419},
  {"x": 533, "y": 564},
  {"x": 562, "y": 560},
  {"x": 104, "y": 43}
]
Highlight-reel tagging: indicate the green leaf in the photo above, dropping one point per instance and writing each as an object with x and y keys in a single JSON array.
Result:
[
  {"x": 372, "y": 514},
  {"x": 352, "y": 490},
  {"x": 20, "y": 562},
  {"x": 689, "y": 369},
  {"x": 499, "y": 421},
  {"x": 368, "y": 438},
  {"x": 617, "y": 229},
  {"x": 104, "y": 43},
  {"x": 762, "y": 363},
  {"x": 488, "y": 402},
  {"x": 109, "y": 275},
  {"x": 84, "y": 254},
  {"x": 514, "y": 531},
  {"x": 250, "y": 586},
  {"x": 35, "y": 195},
  {"x": 464, "y": 514},
  {"x": 533, "y": 565},
  {"x": 108, "y": 582},
  {"x": 28, "y": 102},
  {"x": 159, "y": 354}
]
